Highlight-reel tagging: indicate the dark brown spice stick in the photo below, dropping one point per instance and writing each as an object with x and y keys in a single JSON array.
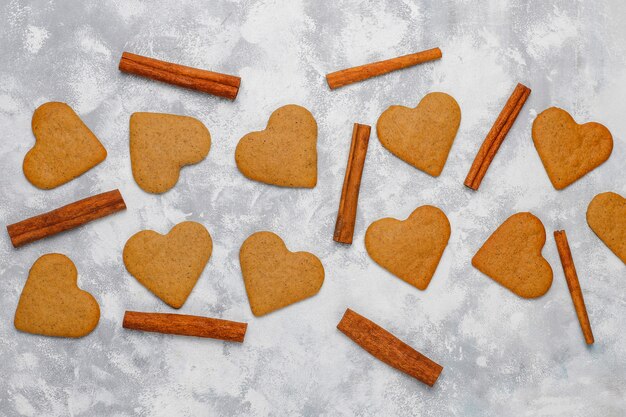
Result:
[
  {"x": 572, "y": 283},
  {"x": 66, "y": 217},
  {"x": 222, "y": 85},
  {"x": 496, "y": 136},
  {"x": 346, "y": 216},
  {"x": 184, "y": 325},
  {"x": 352, "y": 75},
  {"x": 388, "y": 348}
]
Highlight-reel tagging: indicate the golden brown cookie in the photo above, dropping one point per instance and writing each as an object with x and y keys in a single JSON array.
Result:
[
  {"x": 64, "y": 147},
  {"x": 606, "y": 215},
  {"x": 169, "y": 265},
  {"x": 51, "y": 303},
  {"x": 512, "y": 256},
  {"x": 569, "y": 150},
  {"x": 421, "y": 136},
  {"x": 283, "y": 154},
  {"x": 410, "y": 249},
  {"x": 161, "y": 144},
  {"x": 274, "y": 276}
]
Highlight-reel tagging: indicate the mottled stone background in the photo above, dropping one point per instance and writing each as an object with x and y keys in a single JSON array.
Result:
[{"x": 502, "y": 355}]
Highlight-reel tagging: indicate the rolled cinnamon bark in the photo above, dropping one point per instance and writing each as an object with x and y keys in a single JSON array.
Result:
[
  {"x": 222, "y": 85},
  {"x": 388, "y": 348},
  {"x": 66, "y": 217},
  {"x": 185, "y": 325},
  {"x": 352, "y": 75}
]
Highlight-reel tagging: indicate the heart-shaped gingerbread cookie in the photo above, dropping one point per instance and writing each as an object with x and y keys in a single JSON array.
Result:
[
  {"x": 275, "y": 277},
  {"x": 421, "y": 136},
  {"x": 161, "y": 144},
  {"x": 64, "y": 147},
  {"x": 606, "y": 215},
  {"x": 169, "y": 265},
  {"x": 283, "y": 154},
  {"x": 512, "y": 256},
  {"x": 410, "y": 249},
  {"x": 51, "y": 303},
  {"x": 568, "y": 150}
]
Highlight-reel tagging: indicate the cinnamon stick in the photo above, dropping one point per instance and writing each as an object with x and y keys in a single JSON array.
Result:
[
  {"x": 222, "y": 85},
  {"x": 346, "y": 216},
  {"x": 388, "y": 348},
  {"x": 571, "y": 277},
  {"x": 66, "y": 217},
  {"x": 185, "y": 325},
  {"x": 352, "y": 75},
  {"x": 496, "y": 136}
]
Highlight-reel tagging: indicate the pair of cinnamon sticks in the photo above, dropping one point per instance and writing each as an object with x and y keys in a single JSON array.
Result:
[
  {"x": 224, "y": 85},
  {"x": 374, "y": 339},
  {"x": 346, "y": 215}
]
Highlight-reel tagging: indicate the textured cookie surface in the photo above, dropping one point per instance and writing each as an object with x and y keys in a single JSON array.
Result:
[
  {"x": 275, "y": 277},
  {"x": 169, "y": 265},
  {"x": 410, "y": 249},
  {"x": 512, "y": 256},
  {"x": 64, "y": 147},
  {"x": 421, "y": 136},
  {"x": 51, "y": 303},
  {"x": 161, "y": 144},
  {"x": 283, "y": 154},
  {"x": 606, "y": 215},
  {"x": 569, "y": 150}
]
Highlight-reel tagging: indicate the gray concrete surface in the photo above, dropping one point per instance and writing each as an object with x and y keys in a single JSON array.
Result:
[{"x": 502, "y": 355}]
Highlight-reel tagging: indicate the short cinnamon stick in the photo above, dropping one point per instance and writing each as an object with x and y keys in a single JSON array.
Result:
[
  {"x": 65, "y": 218},
  {"x": 388, "y": 348},
  {"x": 346, "y": 216},
  {"x": 185, "y": 325},
  {"x": 352, "y": 75},
  {"x": 222, "y": 85},
  {"x": 496, "y": 136},
  {"x": 571, "y": 277}
]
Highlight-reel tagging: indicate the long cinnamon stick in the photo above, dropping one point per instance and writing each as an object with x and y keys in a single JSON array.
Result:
[
  {"x": 352, "y": 75},
  {"x": 346, "y": 216},
  {"x": 66, "y": 217},
  {"x": 496, "y": 136},
  {"x": 571, "y": 277},
  {"x": 388, "y": 348},
  {"x": 185, "y": 325},
  {"x": 222, "y": 85}
]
